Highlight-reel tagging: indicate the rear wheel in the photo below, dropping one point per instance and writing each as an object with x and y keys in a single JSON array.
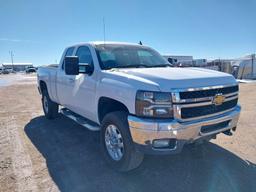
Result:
[
  {"x": 117, "y": 144},
  {"x": 50, "y": 108}
]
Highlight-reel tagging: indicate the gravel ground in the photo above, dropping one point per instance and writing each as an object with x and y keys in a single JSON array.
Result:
[{"x": 37, "y": 154}]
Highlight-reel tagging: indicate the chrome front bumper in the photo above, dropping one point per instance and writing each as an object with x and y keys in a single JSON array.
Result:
[{"x": 144, "y": 131}]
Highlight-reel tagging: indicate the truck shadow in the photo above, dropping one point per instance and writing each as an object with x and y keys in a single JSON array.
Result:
[{"x": 75, "y": 163}]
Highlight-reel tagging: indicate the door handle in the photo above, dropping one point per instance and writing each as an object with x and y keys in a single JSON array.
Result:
[{"x": 71, "y": 80}]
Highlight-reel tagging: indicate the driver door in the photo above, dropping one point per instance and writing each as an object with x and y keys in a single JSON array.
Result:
[{"x": 82, "y": 87}]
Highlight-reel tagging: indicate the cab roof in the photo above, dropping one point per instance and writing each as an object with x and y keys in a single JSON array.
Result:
[{"x": 103, "y": 42}]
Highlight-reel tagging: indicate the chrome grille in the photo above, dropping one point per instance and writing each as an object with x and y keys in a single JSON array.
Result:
[
  {"x": 208, "y": 93},
  {"x": 191, "y": 112},
  {"x": 196, "y": 103}
]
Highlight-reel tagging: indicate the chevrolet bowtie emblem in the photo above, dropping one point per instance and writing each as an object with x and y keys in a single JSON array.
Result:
[{"x": 218, "y": 99}]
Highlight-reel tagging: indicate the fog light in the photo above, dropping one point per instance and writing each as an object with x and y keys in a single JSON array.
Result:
[
  {"x": 165, "y": 143},
  {"x": 161, "y": 143}
]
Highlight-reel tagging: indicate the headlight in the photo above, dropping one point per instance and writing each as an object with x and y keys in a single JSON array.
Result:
[{"x": 154, "y": 104}]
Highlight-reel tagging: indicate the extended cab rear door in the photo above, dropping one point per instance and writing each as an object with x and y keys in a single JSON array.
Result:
[{"x": 62, "y": 80}]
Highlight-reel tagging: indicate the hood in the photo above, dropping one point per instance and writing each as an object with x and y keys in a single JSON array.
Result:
[{"x": 171, "y": 77}]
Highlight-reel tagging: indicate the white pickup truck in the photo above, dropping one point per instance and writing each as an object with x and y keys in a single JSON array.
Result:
[{"x": 139, "y": 102}]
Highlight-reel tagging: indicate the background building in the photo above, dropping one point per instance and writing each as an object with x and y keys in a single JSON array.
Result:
[
  {"x": 199, "y": 62},
  {"x": 223, "y": 65},
  {"x": 17, "y": 66},
  {"x": 241, "y": 68},
  {"x": 246, "y": 67}
]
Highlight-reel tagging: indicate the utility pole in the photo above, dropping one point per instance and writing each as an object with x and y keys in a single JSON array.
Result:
[
  {"x": 104, "y": 30},
  {"x": 220, "y": 65},
  {"x": 11, "y": 53},
  {"x": 253, "y": 57}
]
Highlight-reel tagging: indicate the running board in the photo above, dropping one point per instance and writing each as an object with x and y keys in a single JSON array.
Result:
[{"x": 80, "y": 120}]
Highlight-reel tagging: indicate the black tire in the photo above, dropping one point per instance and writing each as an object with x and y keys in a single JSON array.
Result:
[
  {"x": 131, "y": 158},
  {"x": 52, "y": 108}
]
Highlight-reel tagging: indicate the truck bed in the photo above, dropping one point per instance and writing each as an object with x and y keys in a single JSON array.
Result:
[{"x": 48, "y": 75}]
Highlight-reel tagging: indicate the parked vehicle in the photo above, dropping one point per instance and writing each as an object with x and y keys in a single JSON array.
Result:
[
  {"x": 31, "y": 70},
  {"x": 7, "y": 70},
  {"x": 137, "y": 100}
]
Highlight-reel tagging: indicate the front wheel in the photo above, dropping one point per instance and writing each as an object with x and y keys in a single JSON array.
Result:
[{"x": 117, "y": 144}]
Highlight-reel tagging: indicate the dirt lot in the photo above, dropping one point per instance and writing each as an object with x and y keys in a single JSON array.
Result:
[{"x": 37, "y": 154}]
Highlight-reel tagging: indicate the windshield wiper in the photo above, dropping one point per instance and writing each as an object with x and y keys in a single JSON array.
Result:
[
  {"x": 162, "y": 65},
  {"x": 147, "y": 66},
  {"x": 132, "y": 66},
  {"x": 139, "y": 65}
]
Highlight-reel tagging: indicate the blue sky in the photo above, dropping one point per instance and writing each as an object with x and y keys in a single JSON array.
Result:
[{"x": 38, "y": 31}]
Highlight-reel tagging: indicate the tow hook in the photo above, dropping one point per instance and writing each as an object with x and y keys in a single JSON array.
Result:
[
  {"x": 228, "y": 132},
  {"x": 234, "y": 129}
]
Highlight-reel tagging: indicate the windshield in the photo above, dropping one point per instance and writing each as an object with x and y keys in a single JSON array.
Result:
[{"x": 128, "y": 56}]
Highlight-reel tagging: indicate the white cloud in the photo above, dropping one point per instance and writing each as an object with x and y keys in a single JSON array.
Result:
[{"x": 17, "y": 40}]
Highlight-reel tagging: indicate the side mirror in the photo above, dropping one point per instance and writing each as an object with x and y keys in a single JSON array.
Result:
[
  {"x": 85, "y": 68},
  {"x": 170, "y": 60},
  {"x": 71, "y": 65}
]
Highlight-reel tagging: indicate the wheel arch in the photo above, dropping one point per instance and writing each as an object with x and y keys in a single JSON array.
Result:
[
  {"x": 42, "y": 86},
  {"x": 107, "y": 105}
]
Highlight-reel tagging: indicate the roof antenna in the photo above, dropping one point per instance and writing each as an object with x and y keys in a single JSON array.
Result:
[
  {"x": 104, "y": 31},
  {"x": 140, "y": 43}
]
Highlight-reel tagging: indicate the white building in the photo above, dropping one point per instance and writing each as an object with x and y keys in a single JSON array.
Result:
[
  {"x": 246, "y": 67},
  {"x": 199, "y": 62},
  {"x": 17, "y": 66}
]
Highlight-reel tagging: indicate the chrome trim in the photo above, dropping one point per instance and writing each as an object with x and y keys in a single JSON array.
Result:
[
  {"x": 158, "y": 106},
  {"x": 204, "y": 98},
  {"x": 230, "y": 98},
  {"x": 195, "y": 100},
  {"x": 204, "y": 88},
  {"x": 193, "y": 104},
  {"x": 204, "y": 103},
  {"x": 158, "y": 103},
  {"x": 176, "y": 92},
  {"x": 231, "y": 94}
]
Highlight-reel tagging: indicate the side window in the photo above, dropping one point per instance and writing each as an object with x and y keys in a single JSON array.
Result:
[
  {"x": 84, "y": 55},
  {"x": 69, "y": 52}
]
